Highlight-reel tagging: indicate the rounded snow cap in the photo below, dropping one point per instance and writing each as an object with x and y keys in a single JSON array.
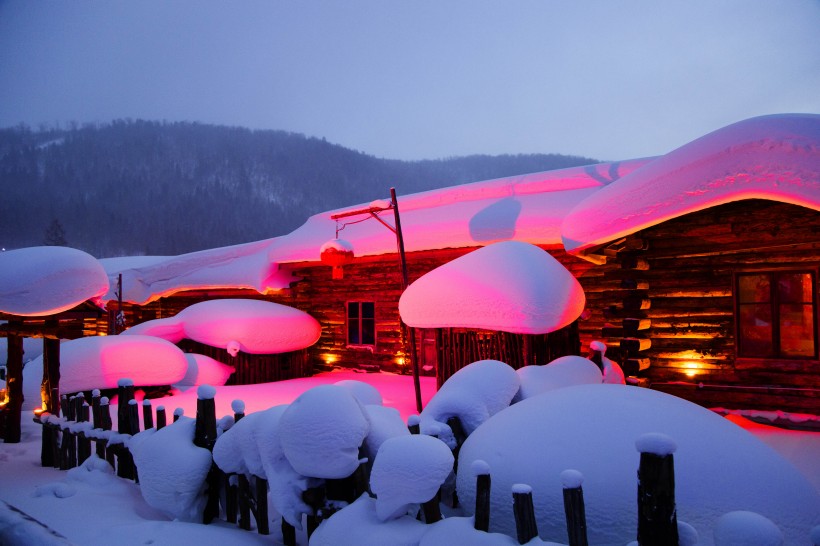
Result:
[
  {"x": 598, "y": 346},
  {"x": 746, "y": 529}
]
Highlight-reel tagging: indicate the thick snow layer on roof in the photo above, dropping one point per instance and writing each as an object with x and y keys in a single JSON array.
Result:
[
  {"x": 204, "y": 370},
  {"x": 770, "y": 157},
  {"x": 510, "y": 286},
  {"x": 46, "y": 280},
  {"x": 99, "y": 362},
  {"x": 719, "y": 467},
  {"x": 146, "y": 279},
  {"x": 250, "y": 326}
]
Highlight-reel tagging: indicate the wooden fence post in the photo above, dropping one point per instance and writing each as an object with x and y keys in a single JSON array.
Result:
[
  {"x": 125, "y": 394},
  {"x": 262, "y": 525},
  {"x": 238, "y": 407},
  {"x": 205, "y": 437},
  {"x": 84, "y": 442},
  {"x": 525, "y": 525},
  {"x": 657, "y": 515},
  {"x": 179, "y": 412},
  {"x": 413, "y": 424},
  {"x": 481, "y": 470},
  {"x": 288, "y": 534},
  {"x": 432, "y": 509},
  {"x": 147, "y": 415},
  {"x": 14, "y": 388},
  {"x": 574, "y": 507},
  {"x": 244, "y": 505},
  {"x": 161, "y": 418}
]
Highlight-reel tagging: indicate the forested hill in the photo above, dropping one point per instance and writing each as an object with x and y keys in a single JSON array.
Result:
[{"x": 138, "y": 187}]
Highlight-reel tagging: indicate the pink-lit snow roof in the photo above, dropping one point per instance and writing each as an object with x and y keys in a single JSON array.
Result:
[
  {"x": 47, "y": 280},
  {"x": 509, "y": 286},
  {"x": 523, "y": 208},
  {"x": 771, "y": 157}
]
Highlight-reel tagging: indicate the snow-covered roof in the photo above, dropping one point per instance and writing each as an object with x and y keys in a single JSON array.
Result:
[
  {"x": 47, "y": 280},
  {"x": 523, "y": 208},
  {"x": 509, "y": 286},
  {"x": 773, "y": 157}
]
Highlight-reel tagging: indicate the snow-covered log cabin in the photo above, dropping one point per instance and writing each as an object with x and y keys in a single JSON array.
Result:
[{"x": 699, "y": 267}]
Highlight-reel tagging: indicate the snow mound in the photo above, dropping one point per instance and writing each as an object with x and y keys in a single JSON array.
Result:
[
  {"x": 253, "y": 326},
  {"x": 321, "y": 432},
  {"x": 565, "y": 371},
  {"x": 357, "y": 524},
  {"x": 460, "y": 531},
  {"x": 408, "y": 471},
  {"x": 99, "y": 362},
  {"x": 364, "y": 393},
  {"x": 768, "y": 157},
  {"x": 473, "y": 394},
  {"x": 45, "y": 280},
  {"x": 385, "y": 423},
  {"x": 509, "y": 286},
  {"x": 172, "y": 469},
  {"x": 741, "y": 528},
  {"x": 204, "y": 370},
  {"x": 719, "y": 467}
]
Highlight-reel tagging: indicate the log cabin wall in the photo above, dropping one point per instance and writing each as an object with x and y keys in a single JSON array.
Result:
[{"x": 681, "y": 289}]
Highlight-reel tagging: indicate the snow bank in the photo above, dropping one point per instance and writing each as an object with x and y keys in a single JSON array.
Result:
[
  {"x": 769, "y": 157},
  {"x": 450, "y": 531},
  {"x": 511, "y": 286},
  {"x": 408, "y": 471},
  {"x": 565, "y": 371},
  {"x": 321, "y": 432},
  {"x": 172, "y": 469},
  {"x": 719, "y": 467},
  {"x": 252, "y": 326},
  {"x": 357, "y": 524},
  {"x": 99, "y": 362},
  {"x": 46, "y": 280},
  {"x": 19, "y": 529},
  {"x": 204, "y": 370},
  {"x": 473, "y": 394}
]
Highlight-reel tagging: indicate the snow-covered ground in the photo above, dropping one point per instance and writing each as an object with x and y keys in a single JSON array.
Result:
[{"x": 91, "y": 506}]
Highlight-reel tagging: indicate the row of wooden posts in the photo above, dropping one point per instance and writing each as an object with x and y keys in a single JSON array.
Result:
[{"x": 65, "y": 448}]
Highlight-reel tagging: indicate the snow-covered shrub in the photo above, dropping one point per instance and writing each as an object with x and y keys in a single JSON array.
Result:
[
  {"x": 565, "y": 371},
  {"x": 408, "y": 471},
  {"x": 473, "y": 394},
  {"x": 357, "y": 524},
  {"x": 172, "y": 469}
]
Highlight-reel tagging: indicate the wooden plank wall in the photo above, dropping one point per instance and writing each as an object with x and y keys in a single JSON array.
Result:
[{"x": 691, "y": 262}]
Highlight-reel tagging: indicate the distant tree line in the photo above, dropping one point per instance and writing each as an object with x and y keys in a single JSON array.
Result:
[{"x": 138, "y": 187}]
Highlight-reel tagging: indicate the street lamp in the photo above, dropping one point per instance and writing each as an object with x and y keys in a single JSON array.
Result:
[{"x": 373, "y": 210}]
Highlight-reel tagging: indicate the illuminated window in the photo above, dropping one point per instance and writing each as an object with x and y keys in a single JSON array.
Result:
[
  {"x": 361, "y": 323},
  {"x": 776, "y": 315}
]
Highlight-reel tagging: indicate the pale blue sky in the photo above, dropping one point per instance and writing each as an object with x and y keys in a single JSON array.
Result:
[{"x": 421, "y": 78}]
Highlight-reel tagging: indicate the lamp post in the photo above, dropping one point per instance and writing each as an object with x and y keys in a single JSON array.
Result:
[{"x": 373, "y": 212}]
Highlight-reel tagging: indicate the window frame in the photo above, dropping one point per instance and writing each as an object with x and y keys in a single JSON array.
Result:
[
  {"x": 360, "y": 318},
  {"x": 774, "y": 304}
]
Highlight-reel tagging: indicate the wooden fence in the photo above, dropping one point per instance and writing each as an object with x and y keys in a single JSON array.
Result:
[{"x": 236, "y": 497}]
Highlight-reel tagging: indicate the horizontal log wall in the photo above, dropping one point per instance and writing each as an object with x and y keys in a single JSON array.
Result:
[{"x": 691, "y": 265}]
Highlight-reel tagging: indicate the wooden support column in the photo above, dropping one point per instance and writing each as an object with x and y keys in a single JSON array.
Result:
[
  {"x": 14, "y": 385},
  {"x": 50, "y": 387}
]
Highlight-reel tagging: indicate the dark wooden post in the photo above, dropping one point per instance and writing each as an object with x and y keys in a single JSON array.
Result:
[
  {"x": 657, "y": 515},
  {"x": 262, "y": 525},
  {"x": 179, "y": 412},
  {"x": 147, "y": 415},
  {"x": 414, "y": 424},
  {"x": 125, "y": 393},
  {"x": 432, "y": 509},
  {"x": 238, "y": 407},
  {"x": 244, "y": 505},
  {"x": 133, "y": 416},
  {"x": 97, "y": 419},
  {"x": 574, "y": 507},
  {"x": 107, "y": 424},
  {"x": 161, "y": 418},
  {"x": 14, "y": 387},
  {"x": 482, "y": 495},
  {"x": 525, "y": 525},
  {"x": 50, "y": 393},
  {"x": 205, "y": 437},
  {"x": 84, "y": 442},
  {"x": 288, "y": 534},
  {"x": 231, "y": 497}
]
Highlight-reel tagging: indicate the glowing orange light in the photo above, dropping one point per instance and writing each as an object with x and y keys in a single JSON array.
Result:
[
  {"x": 691, "y": 369},
  {"x": 329, "y": 359}
]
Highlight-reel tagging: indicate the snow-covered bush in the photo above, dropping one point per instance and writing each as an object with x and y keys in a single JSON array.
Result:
[
  {"x": 473, "y": 394},
  {"x": 565, "y": 371}
]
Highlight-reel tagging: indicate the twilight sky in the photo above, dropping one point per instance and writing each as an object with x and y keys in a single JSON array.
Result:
[{"x": 422, "y": 78}]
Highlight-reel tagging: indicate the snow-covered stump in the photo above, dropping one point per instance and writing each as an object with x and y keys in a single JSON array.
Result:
[
  {"x": 526, "y": 527},
  {"x": 574, "y": 507},
  {"x": 482, "y": 495},
  {"x": 147, "y": 415},
  {"x": 657, "y": 515},
  {"x": 205, "y": 437}
]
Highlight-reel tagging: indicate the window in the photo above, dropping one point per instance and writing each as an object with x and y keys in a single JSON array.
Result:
[
  {"x": 776, "y": 315},
  {"x": 361, "y": 323}
]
